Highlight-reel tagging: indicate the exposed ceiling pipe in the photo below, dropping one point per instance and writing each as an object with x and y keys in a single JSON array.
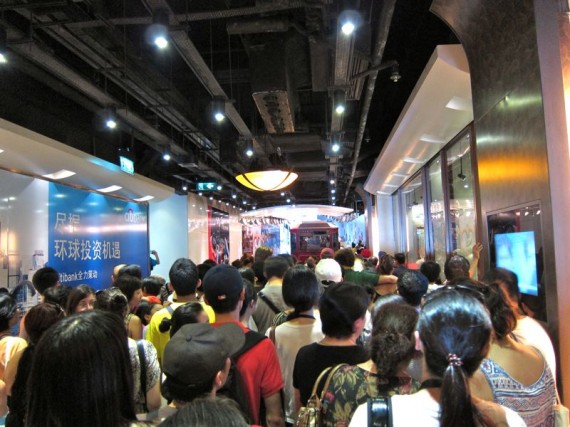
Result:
[
  {"x": 383, "y": 30},
  {"x": 194, "y": 60},
  {"x": 257, "y": 10}
]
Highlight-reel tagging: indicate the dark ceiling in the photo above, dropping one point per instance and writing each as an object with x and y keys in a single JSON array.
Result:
[{"x": 276, "y": 64}]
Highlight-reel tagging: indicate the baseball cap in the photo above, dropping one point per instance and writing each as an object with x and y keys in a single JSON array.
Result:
[
  {"x": 327, "y": 253},
  {"x": 222, "y": 282},
  {"x": 195, "y": 354},
  {"x": 328, "y": 270},
  {"x": 366, "y": 253}
]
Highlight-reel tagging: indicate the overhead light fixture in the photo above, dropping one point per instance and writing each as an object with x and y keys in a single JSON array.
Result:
[
  {"x": 157, "y": 33},
  {"x": 3, "y": 46},
  {"x": 349, "y": 20},
  {"x": 335, "y": 147},
  {"x": 249, "y": 148},
  {"x": 110, "y": 118},
  {"x": 200, "y": 193},
  {"x": 219, "y": 187},
  {"x": 166, "y": 156},
  {"x": 219, "y": 109},
  {"x": 234, "y": 196},
  {"x": 144, "y": 198},
  {"x": 333, "y": 191},
  {"x": 395, "y": 76},
  {"x": 331, "y": 181},
  {"x": 184, "y": 187},
  {"x": 110, "y": 189},
  {"x": 339, "y": 100},
  {"x": 267, "y": 180},
  {"x": 61, "y": 174}
]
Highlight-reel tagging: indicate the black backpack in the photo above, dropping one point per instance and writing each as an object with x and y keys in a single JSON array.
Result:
[{"x": 234, "y": 387}]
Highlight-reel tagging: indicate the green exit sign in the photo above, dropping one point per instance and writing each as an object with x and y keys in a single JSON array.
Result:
[{"x": 206, "y": 186}]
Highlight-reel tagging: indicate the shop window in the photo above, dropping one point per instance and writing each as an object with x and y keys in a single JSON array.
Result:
[
  {"x": 412, "y": 198},
  {"x": 437, "y": 211},
  {"x": 462, "y": 219}
]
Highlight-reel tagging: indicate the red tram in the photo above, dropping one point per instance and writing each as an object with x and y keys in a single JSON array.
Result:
[{"x": 309, "y": 238}]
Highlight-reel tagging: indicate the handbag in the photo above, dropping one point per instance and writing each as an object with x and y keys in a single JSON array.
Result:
[
  {"x": 560, "y": 413},
  {"x": 312, "y": 415}
]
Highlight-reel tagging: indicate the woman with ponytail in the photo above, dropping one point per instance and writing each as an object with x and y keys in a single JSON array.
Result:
[
  {"x": 300, "y": 292},
  {"x": 392, "y": 347},
  {"x": 454, "y": 331},
  {"x": 513, "y": 374}
]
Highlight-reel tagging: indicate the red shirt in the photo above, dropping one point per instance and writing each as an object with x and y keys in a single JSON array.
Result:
[{"x": 260, "y": 372}]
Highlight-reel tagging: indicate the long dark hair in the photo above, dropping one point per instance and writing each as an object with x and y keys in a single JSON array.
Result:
[
  {"x": 455, "y": 330},
  {"x": 392, "y": 342},
  {"x": 81, "y": 374}
]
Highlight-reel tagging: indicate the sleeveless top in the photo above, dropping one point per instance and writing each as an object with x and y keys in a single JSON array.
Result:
[{"x": 533, "y": 402}]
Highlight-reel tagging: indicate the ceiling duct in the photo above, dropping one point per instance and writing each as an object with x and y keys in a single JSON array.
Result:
[{"x": 271, "y": 86}]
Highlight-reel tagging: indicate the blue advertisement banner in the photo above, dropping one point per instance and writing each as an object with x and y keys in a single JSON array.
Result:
[{"x": 89, "y": 234}]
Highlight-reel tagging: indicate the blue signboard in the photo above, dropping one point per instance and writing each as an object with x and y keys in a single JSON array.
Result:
[{"x": 89, "y": 234}]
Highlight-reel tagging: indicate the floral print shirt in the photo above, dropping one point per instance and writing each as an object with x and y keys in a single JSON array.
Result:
[{"x": 351, "y": 386}]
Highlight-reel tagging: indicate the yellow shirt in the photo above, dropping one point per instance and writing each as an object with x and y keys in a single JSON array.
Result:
[{"x": 159, "y": 339}]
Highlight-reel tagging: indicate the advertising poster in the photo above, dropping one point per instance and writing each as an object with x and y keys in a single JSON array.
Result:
[
  {"x": 89, "y": 234},
  {"x": 219, "y": 235}
]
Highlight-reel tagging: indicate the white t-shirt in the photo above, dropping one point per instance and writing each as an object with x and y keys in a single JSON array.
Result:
[
  {"x": 530, "y": 332},
  {"x": 289, "y": 338},
  {"x": 419, "y": 409}
]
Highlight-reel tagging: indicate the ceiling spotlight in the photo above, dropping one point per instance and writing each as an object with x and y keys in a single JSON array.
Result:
[
  {"x": 333, "y": 197},
  {"x": 234, "y": 196},
  {"x": 166, "y": 156},
  {"x": 219, "y": 187},
  {"x": 331, "y": 181},
  {"x": 395, "y": 76},
  {"x": 110, "y": 118},
  {"x": 288, "y": 200},
  {"x": 219, "y": 110},
  {"x": 3, "y": 46},
  {"x": 349, "y": 20},
  {"x": 245, "y": 202},
  {"x": 249, "y": 148},
  {"x": 157, "y": 33},
  {"x": 111, "y": 123},
  {"x": 335, "y": 147},
  {"x": 333, "y": 191},
  {"x": 347, "y": 28},
  {"x": 184, "y": 187},
  {"x": 282, "y": 194},
  {"x": 339, "y": 100},
  {"x": 200, "y": 193}
]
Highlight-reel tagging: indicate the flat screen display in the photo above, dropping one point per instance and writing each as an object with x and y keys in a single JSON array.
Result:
[{"x": 517, "y": 252}]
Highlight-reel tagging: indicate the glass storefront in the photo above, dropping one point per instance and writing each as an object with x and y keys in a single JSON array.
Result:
[
  {"x": 462, "y": 219},
  {"x": 450, "y": 205},
  {"x": 412, "y": 198}
]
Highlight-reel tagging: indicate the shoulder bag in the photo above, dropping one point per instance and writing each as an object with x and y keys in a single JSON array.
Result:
[{"x": 312, "y": 415}]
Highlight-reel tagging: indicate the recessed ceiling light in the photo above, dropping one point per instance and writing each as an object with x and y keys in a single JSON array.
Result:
[
  {"x": 144, "y": 199},
  {"x": 61, "y": 174},
  {"x": 110, "y": 189},
  {"x": 432, "y": 139},
  {"x": 460, "y": 104},
  {"x": 1, "y": 151},
  {"x": 412, "y": 160}
]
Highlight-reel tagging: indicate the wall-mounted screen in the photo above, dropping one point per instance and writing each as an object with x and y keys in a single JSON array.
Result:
[
  {"x": 517, "y": 252},
  {"x": 515, "y": 243}
]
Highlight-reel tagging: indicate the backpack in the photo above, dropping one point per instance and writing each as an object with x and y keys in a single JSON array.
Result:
[
  {"x": 311, "y": 415},
  {"x": 234, "y": 387}
]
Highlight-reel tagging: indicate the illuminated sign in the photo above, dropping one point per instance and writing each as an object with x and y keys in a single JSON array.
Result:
[
  {"x": 127, "y": 165},
  {"x": 206, "y": 186}
]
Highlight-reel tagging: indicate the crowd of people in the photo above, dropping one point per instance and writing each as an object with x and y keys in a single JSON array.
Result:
[{"x": 252, "y": 343}]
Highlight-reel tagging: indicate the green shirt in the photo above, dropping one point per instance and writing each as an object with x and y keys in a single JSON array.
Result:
[{"x": 360, "y": 277}]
